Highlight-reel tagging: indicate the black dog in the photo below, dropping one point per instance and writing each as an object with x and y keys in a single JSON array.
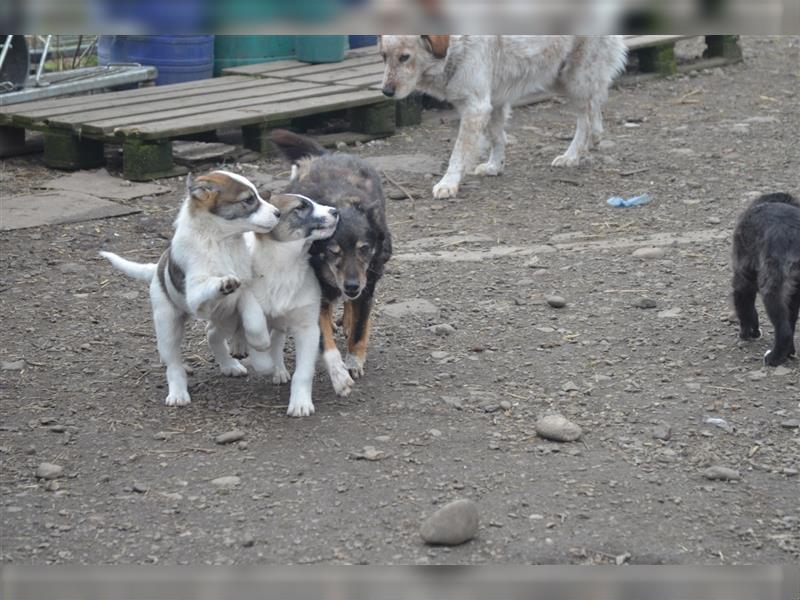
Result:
[
  {"x": 350, "y": 263},
  {"x": 766, "y": 259}
]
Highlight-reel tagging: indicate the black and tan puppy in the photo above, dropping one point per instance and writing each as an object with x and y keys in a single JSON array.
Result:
[
  {"x": 766, "y": 260},
  {"x": 351, "y": 262}
]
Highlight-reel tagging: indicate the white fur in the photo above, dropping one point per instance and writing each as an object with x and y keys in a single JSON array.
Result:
[
  {"x": 217, "y": 266},
  {"x": 288, "y": 292},
  {"x": 483, "y": 75}
]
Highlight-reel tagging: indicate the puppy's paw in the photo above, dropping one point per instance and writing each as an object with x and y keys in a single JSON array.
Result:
[
  {"x": 281, "y": 375},
  {"x": 446, "y": 188},
  {"x": 750, "y": 333},
  {"x": 228, "y": 284},
  {"x": 341, "y": 380},
  {"x": 355, "y": 365},
  {"x": 233, "y": 369},
  {"x": 180, "y": 398},
  {"x": 300, "y": 405},
  {"x": 567, "y": 160},
  {"x": 489, "y": 169}
]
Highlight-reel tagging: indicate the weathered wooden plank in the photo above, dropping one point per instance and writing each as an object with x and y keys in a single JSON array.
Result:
[
  {"x": 266, "y": 89},
  {"x": 306, "y": 69},
  {"x": 282, "y": 65},
  {"x": 212, "y": 110},
  {"x": 375, "y": 71},
  {"x": 648, "y": 41},
  {"x": 238, "y": 117},
  {"x": 102, "y": 100},
  {"x": 372, "y": 81}
]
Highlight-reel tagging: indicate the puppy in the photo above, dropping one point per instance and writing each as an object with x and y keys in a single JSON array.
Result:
[
  {"x": 205, "y": 273},
  {"x": 288, "y": 292},
  {"x": 350, "y": 263},
  {"x": 766, "y": 259},
  {"x": 482, "y": 75}
]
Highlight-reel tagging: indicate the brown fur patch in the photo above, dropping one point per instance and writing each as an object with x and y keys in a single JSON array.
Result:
[
  {"x": 326, "y": 327},
  {"x": 359, "y": 347},
  {"x": 209, "y": 192},
  {"x": 437, "y": 44}
]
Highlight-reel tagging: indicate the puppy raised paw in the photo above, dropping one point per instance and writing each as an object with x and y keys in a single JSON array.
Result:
[{"x": 228, "y": 284}]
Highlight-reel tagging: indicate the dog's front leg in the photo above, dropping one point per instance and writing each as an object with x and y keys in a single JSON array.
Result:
[
  {"x": 473, "y": 122},
  {"x": 203, "y": 297},
  {"x": 254, "y": 322},
  {"x": 340, "y": 376},
  {"x": 306, "y": 343}
]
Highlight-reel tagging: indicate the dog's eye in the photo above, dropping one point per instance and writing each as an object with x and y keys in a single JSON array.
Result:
[
  {"x": 404, "y": 57},
  {"x": 364, "y": 250},
  {"x": 335, "y": 251},
  {"x": 249, "y": 200}
]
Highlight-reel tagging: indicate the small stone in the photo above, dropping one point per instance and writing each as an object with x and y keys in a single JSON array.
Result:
[
  {"x": 451, "y": 525},
  {"x": 453, "y": 402},
  {"x": 780, "y": 371},
  {"x": 557, "y": 428},
  {"x": 229, "y": 437},
  {"x": 556, "y": 301},
  {"x": 48, "y": 471},
  {"x": 369, "y": 453},
  {"x": 52, "y": 486},
  {"x": 435, "y": 432},
  {"x": 242, "y": 445},
  {"x": 721, "y": 473},
  {"x": 490, "y": 408},
  {"x": 140, "y": 488},
  {"x": 15, "y": 365},
  {"x": 442, "y": 329},
  {"x": 57, "y": 428},
  {"x": 757, "y": 375},
  {"x": 248, "y": 541},
  {"x": 645, "y": 303},
  {"x": 791, "y": 424},
  {"x": 439, "y": 354},
  {"x": 226, "y": 482},
  {"x": 661, "y": 432},
  {"x": 671, "y": 313},
  {"x": 505, "y": 405},
  {"x": 789, "y": 471},
  {"x": 651, "y": 252},
  {"x": 570, "y": 386}
]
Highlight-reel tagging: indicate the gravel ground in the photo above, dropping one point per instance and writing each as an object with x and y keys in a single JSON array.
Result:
[{"x": 640, "y": 356}]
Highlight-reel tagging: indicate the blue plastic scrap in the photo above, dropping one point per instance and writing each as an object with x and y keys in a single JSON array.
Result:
[{"x": 635, "y": 201}]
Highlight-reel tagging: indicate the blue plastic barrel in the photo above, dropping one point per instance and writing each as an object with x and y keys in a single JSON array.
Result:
[
  {"x": 178, "y": 58},
  {"x": 359, "y": 41}
]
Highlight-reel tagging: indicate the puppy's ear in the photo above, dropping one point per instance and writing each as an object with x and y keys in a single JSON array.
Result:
[
  {"x": 200, "y": 188},
  {"x": 436, "y": 44},
  {"x": 265, "y": 194}
]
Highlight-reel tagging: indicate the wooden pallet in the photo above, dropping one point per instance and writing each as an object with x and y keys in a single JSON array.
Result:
[
  {"x": 656, "y": 53},
  {"x": 145, "y": 121}
]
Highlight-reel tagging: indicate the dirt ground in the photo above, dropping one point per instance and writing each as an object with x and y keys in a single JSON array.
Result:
[{"x": 136, "y": 485}]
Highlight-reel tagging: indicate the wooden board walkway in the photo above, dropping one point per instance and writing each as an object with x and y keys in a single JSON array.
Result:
[{"x": 256, "y": 98}]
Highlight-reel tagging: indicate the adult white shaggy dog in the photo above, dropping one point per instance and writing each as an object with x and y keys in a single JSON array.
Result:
[
  {"x": 481, "y": 75},
  {"x": 205, "y": 273},
  {"x": 289, "y": 293}
]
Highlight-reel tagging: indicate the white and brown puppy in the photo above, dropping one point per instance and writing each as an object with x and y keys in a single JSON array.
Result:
[
  {"x": 287, "y": 290},
  {"x": 482, "y": 75},
  {"x": 205, "y": 273}
]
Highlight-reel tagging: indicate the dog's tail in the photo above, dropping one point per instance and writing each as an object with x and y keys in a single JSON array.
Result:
[
  {"x": 143, "y": 271},
  {"x": 294, "y": 146},
  {"x": 777, "y": 198}
]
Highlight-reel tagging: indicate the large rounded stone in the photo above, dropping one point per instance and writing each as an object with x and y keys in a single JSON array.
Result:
[
  {"x": 453, "y": 524},
  {"x": 558, "y": 429}
]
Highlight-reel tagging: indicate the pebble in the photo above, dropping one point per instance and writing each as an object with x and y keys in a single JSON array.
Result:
[
  {"x": 451, "y": 525},
  {"x": 48, "y": 471},
  {"x": 791, "y": 424},
  {"x": 556, "y": 301},
  {"x": 453, "y": 402},
  {"x": 558, "y": 429},
  {"x": 435, "y": 432},
  {"x": 661, "y": 432},
  {"x": 505, "y": 405},
  {"x": 442, "y": 329},
  {"x": 140, "y": 488},
  {"x": 439, "y": 354},
  {"x": 722, "y": 473},
  {"x": 248, "y": 541},
  {"x": 780, "y": 371},
  {"x": 227, "y": 481},
  {"x": 671, "y": 313},
  {"x": 757, "y": 375},
  {"x": 490, "y": 408},
  {"x": 14, "y": 365},
  {"x": 645, "y": 303},
  {"x": 570, "y": 386},
  {"x": 229, "y": 436},
  {"x": 653, "y": 252},
  {"x": 370, "y": 453}
]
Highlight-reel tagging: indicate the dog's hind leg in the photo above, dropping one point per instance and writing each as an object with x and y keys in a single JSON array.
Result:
[
  {"x": 169, "y": 325},
  {"x": 596, "y": 109},
  {"x": 216, "y": 333},
  {"x": 358, "y": 336},
  {"x": 778, "y": 309},
  {"x": 497, "y": 139},
  {"x": 580, "y": 142},
  {"x": 745, "y": 289}
]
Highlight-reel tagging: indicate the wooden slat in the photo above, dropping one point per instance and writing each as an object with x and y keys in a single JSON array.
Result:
[
  {"x": 210, "y": 111},
  {"x": 263, "y": 89},
  {"x": 645, "y": 41},
  {"x": 327, "y": 68},
  {"x": 85, "y": 102},
  {"x": 282, "y": 65},
  {"x": 375, "y": 71},
  {"x": 364, "y": 81},
  {"x": 251, "y": 115}
]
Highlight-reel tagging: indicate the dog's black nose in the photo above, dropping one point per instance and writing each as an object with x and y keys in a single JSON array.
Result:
[
  {"x": 351, "y": 287},
  {"x": 388, "y": 91},
  {"x": 277, "y": 214}
]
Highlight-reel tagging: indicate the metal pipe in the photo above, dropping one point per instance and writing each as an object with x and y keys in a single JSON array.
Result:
[
  {"x": 42, "y": 60},
  {"x": 6, "y": 46}
]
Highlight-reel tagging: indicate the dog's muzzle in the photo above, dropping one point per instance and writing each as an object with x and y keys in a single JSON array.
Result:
[{"x": 388, "y": 90}]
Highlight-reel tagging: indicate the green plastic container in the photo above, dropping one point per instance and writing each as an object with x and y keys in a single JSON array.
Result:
[
  {"x": 320, "y": 48},
  {"x": 236, "y": 50}
]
